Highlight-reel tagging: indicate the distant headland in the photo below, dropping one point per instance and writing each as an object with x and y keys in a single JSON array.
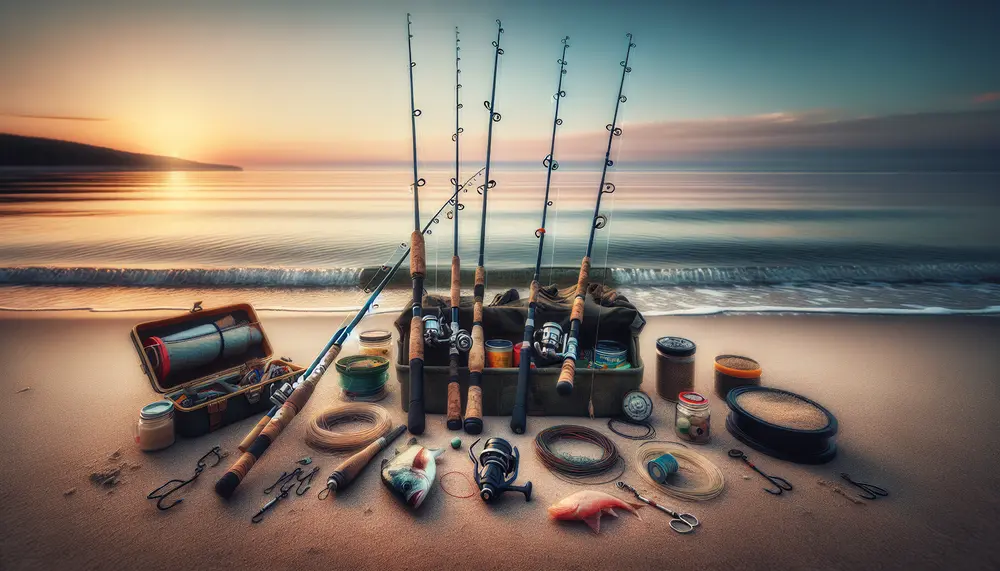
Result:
[{"x": 17, "y": 151}]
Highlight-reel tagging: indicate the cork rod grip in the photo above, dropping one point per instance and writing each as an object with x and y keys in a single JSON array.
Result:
[
  {"x": 564, "y": 385},
  {"x": 577, "y": 313},
  {"x": 456, "y": 282},
  {"x": 245, "y": 444},
  {"x": 416, "y": 338},
  {"x": 533, "y": 292},
  {"x": 350, "y": 468},
  {"x": 418, "y": 257},
  {"x": 474, "y": 410},
  {"x": 454, "y": 421},
  {"x": 584, "y": 279},
  {"x": 477, "y": 355}
]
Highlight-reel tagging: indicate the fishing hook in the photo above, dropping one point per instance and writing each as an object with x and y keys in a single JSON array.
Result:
[
  {"x": 780, "y": 483},
  {"x": 869, "y": 491},
  {"x": 159, "y": 495}
]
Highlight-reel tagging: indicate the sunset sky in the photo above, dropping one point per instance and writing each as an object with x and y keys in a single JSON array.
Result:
[{"x": 310, "y": 83}]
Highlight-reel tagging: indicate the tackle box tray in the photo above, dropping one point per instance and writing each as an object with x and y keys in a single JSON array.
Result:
[
  {"x": 606, "y": 387},
  {"x": 235, "y": 406}
]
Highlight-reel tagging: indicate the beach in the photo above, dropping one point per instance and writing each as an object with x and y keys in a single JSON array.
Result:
[{"x": 916, "y": 398}]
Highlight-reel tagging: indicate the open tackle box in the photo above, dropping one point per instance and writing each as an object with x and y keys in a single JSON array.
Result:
[
  {"x": 621, "y": 323},
  {"x": 215, "y": 365}
]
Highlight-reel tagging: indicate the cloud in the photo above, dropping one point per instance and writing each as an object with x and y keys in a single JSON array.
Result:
[
  {"x": 53, "y": 117},
  {"x": 988, "y": 97},
  {"x": 799, "y": 131}
]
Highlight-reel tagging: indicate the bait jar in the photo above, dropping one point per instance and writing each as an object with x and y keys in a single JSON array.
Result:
[
  {"x": 363, "y": 378},
  {"x": 155, "y": 429},
  {"x": 692, "y": 421},
  {"x": 375, "y": 343},
  {"x": 610, "y": 355},
  {"x": 674, "y": 366},
  {"x": 499, "y": 354},
  {"x": 732, "y": 371}
]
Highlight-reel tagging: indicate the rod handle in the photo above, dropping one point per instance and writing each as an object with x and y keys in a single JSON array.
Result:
[
  {"x": 454, "y": 396},
  {"x": 415, "y": 414},
  {"x": 229, "y": 481},
  {"x": 564, "y": 386},
  {"x": 349, "y": 469},
  {"x": 474, "y": 405},
  {"x": 245, "y": 444},
  {"x": 519, "y": 415}
]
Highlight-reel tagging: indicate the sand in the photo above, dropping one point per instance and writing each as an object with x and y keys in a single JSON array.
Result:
[{"x": 916, "y": 397}]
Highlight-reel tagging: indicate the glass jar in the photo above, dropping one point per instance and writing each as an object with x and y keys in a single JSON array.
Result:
[
  {"x": 155, "y": 429},
  {"x": 692, "y": 421},
  {"x": 375, "y": 343},
  {"x": 674, "y": 366}
]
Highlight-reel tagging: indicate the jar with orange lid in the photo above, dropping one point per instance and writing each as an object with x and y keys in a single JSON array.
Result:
[{"x": 733, "y": 371}]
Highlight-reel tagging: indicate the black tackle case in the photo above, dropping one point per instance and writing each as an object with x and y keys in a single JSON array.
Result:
[
  {"x": 204, "y": 417},
  {"x": 604, "y": 310}
]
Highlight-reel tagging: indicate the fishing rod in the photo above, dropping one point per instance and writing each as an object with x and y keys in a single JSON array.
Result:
[
  {"x": 564, "y": 385},
  {"x": 459, "y": 341},
  {"x": 418, "y": 269},
  {"x": 519, "y": 416},
  {"x": 477, "y": 355},
  {"x": 291, "y": 398}
]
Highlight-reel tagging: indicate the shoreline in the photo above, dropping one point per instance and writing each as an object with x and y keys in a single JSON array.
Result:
[{"x": 916, "y": 399}]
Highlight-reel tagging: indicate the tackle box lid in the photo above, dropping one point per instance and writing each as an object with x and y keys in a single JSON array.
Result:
[{"x": 143, "y": 333}]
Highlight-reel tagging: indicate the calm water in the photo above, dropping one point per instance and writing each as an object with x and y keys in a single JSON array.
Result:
[{"x": 677, "y": 242}]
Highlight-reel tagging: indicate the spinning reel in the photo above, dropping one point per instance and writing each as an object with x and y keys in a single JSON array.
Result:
[
  {"x": 551, "y": 343},
  {"x": 499, "y": 461},
  {"x": 437, "y": 332}
]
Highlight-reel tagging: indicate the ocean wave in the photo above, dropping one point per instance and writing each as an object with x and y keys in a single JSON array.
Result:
[{"x": 960, "y": 272}]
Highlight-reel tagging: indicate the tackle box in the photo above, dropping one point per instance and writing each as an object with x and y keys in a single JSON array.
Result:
[
  {"x": 621, "y": 323},
  {"x": 204, "y": 417}
]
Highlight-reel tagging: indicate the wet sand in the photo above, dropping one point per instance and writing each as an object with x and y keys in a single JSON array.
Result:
[{"x": 917, "y": 399}]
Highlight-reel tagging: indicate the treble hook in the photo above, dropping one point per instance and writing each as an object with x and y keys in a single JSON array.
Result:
[
  {"x": 159, "y": 495},
  {"x": 870, "y": 492},
  {"x": 780, "y": 483}
]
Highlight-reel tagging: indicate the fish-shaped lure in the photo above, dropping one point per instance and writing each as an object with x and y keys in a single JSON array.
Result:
[
  {"x": 410, "y": 473},
  {"x": 588, "y": 506}
]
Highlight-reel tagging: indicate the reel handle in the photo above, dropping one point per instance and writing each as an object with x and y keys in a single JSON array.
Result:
[{"x": 525, "y": 489}]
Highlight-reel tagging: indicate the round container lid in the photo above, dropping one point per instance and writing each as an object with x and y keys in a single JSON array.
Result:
[
  {"x": 499, "y": 344},
  {"x": 637, "y": 405},
  {"x": 609, "y": 347},
  {"x": 676, "y": 346},
  {"x": 737, "y": 366},
  {"x": 156, "y": 410},
  {"x": 692, "y": 398},
  {"x": 375, "y": 336}
]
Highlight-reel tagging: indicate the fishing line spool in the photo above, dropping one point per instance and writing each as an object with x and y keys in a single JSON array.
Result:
[
  {"x": 322, "y": 435},
  {"x": 496, "y": 470},
  {"x": 696, "y": 478},
  {"x": 578, "y": 469}
]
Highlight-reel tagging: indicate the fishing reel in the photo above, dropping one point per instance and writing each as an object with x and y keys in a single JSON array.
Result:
[
  {"x": 551, "y": 343},
  {"x": 281, "y": 394},
  {"x": 496, "y": 469},
  {"x": 437, "y": 332}
]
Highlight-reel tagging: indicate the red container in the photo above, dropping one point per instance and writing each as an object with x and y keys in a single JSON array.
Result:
[{"x": 517, "y": 356}]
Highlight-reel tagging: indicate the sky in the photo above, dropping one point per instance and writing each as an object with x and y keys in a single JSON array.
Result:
[{"x": 310, "y": 83}]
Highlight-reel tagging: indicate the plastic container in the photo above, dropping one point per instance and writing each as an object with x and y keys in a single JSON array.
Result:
[
  {"x": 610, "y": 355},
  {"x": 375, "y": 343},
  {"x": 674, "y": 366},
  {"x": 363, "y": 377},
  {"x": 693, "y": 419},
  {"x": 499, "y": 354},
  {"x": 155, "y": 429},
  {"x": 732, "y": 371}
]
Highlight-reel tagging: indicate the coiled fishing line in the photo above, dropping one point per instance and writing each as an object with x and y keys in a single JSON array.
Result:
[
  {"x": 697, "y": 478},
  {"x": 472, "y": 485},
  {"x": 650, "y": 430},
  {"x": 578, "y": 469},
  {"x": 323, "y": 435}
]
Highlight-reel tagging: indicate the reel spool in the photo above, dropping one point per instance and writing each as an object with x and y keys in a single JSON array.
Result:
[
  {"x": 438, "y": 332},
  {"x": 496, "y": 470},
  {"x": 637, "y": 406},
  {"x": 551, "y": 342}
]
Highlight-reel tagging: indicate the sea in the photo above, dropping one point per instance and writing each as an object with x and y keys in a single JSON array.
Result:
[{"x": 677, "y": 241}]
